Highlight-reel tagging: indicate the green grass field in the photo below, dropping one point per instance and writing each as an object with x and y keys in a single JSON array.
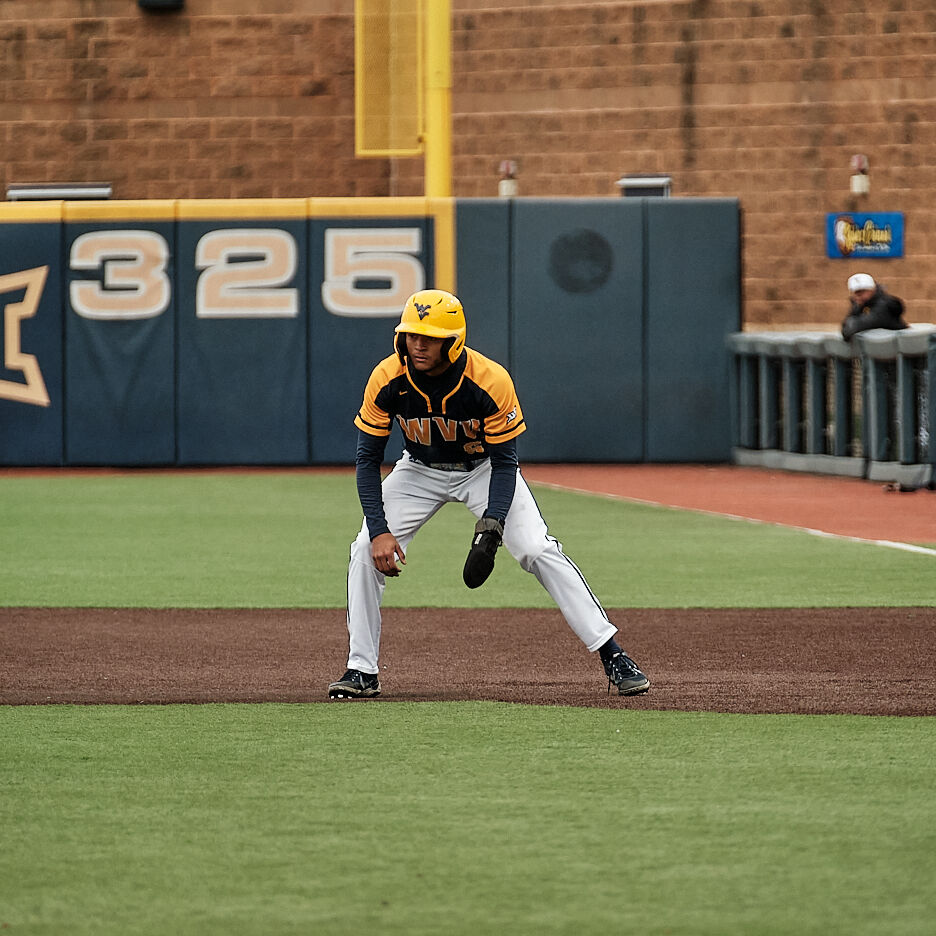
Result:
[
  {"x": 465, "y": 818},
  {"x": 281, "y": 540}
]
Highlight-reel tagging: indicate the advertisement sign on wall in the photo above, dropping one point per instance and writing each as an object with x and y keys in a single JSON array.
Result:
[{"x": 877, "y": 236}]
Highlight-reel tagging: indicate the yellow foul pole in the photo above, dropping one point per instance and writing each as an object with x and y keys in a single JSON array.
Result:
[{"x": 438, "y": 141}]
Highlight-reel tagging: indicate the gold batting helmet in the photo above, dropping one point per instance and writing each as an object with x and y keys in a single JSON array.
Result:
[{"x": 437, "y": 314}]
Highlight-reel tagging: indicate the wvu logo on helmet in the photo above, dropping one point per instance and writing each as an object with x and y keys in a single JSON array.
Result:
[{"x": 425, "y": 314}]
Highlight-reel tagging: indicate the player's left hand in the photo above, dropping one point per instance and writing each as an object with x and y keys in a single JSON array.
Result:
[{"x": 480, "y": 562}]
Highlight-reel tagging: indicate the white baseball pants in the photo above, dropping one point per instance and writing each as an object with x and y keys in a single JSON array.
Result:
[{"x": 412, "y": 494}]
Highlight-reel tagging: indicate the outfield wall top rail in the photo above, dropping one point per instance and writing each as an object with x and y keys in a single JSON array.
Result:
[{"x": 811, "y": 401}]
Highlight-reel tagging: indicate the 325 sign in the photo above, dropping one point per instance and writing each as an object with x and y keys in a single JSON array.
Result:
[
  {"x": 246, "y": 273},
  {"x": 240, "y": 273}
]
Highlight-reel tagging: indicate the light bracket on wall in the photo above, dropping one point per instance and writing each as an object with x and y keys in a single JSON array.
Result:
[
  {"x": 639, "y": 184},
  {"x": 58, "y": 191},
  {"x": 860, "y": 182}
]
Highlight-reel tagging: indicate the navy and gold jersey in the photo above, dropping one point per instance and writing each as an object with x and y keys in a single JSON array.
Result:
[{"x": 445, "y": 419}]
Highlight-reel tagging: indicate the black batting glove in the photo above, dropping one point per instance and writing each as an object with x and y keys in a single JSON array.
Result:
[{"x": 480, "y": 562}]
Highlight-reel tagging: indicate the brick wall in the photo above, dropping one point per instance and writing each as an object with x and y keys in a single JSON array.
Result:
[
  {"x": 213, "y": 102},
  {"x": 761, "y": 99}
]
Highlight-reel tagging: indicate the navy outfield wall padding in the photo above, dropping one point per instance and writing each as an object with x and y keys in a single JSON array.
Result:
[
  {"x": 693, "y": 302},
  {"x": 31, "y": 391},
  {"x": 120, "y": 354},
  {"x": 250, "y": 326},
  {"x": 351, "y": 317},
  {"x": 241, "y": 339},
  {"x": 577, "y": 291},
  {"x": 482, "y": 242}
]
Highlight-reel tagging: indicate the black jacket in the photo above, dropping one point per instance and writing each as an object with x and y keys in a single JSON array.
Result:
[{"x": 882, "y": 310}]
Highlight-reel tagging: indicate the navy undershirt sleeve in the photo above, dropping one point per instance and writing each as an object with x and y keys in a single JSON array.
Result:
[
  {"x": 504, "y": 466},
  {"x": 369, "y": 458}
]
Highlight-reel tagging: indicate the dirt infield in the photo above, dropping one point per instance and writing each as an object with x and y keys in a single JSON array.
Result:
[{"x": 861, "y": 661}]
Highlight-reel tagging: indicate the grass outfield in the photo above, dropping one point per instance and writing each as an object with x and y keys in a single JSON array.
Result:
[
  {"x": 281, "y": 540},
  {"x": 462, "y": 818},
  {"x": 466, "y": 818}
]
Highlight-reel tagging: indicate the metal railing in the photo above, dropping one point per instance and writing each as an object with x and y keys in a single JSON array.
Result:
[{"x": 810, "y": 401}]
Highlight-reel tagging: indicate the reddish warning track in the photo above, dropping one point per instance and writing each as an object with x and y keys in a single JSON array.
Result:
[{"x": 844, "y": 506}]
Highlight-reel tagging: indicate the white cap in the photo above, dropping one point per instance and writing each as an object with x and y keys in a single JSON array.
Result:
[{"x": 860, "y": 281}]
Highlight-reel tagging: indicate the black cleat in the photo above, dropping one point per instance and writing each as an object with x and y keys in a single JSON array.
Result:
[
  {"x": 355, "y": 685},
  {"x": 625, "y": 674}
]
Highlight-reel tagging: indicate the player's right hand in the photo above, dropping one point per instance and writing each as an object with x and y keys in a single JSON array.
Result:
[{"x": 385, "y": 550}]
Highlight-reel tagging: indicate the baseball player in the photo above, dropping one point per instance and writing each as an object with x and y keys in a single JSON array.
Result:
[{"x": 460, "y": 419}]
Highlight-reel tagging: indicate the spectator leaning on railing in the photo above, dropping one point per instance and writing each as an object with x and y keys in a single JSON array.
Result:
[{"x": 871, "y": 307}]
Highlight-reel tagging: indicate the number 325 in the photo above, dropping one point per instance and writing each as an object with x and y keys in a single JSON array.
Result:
[{"x": 245, "y": 273}]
